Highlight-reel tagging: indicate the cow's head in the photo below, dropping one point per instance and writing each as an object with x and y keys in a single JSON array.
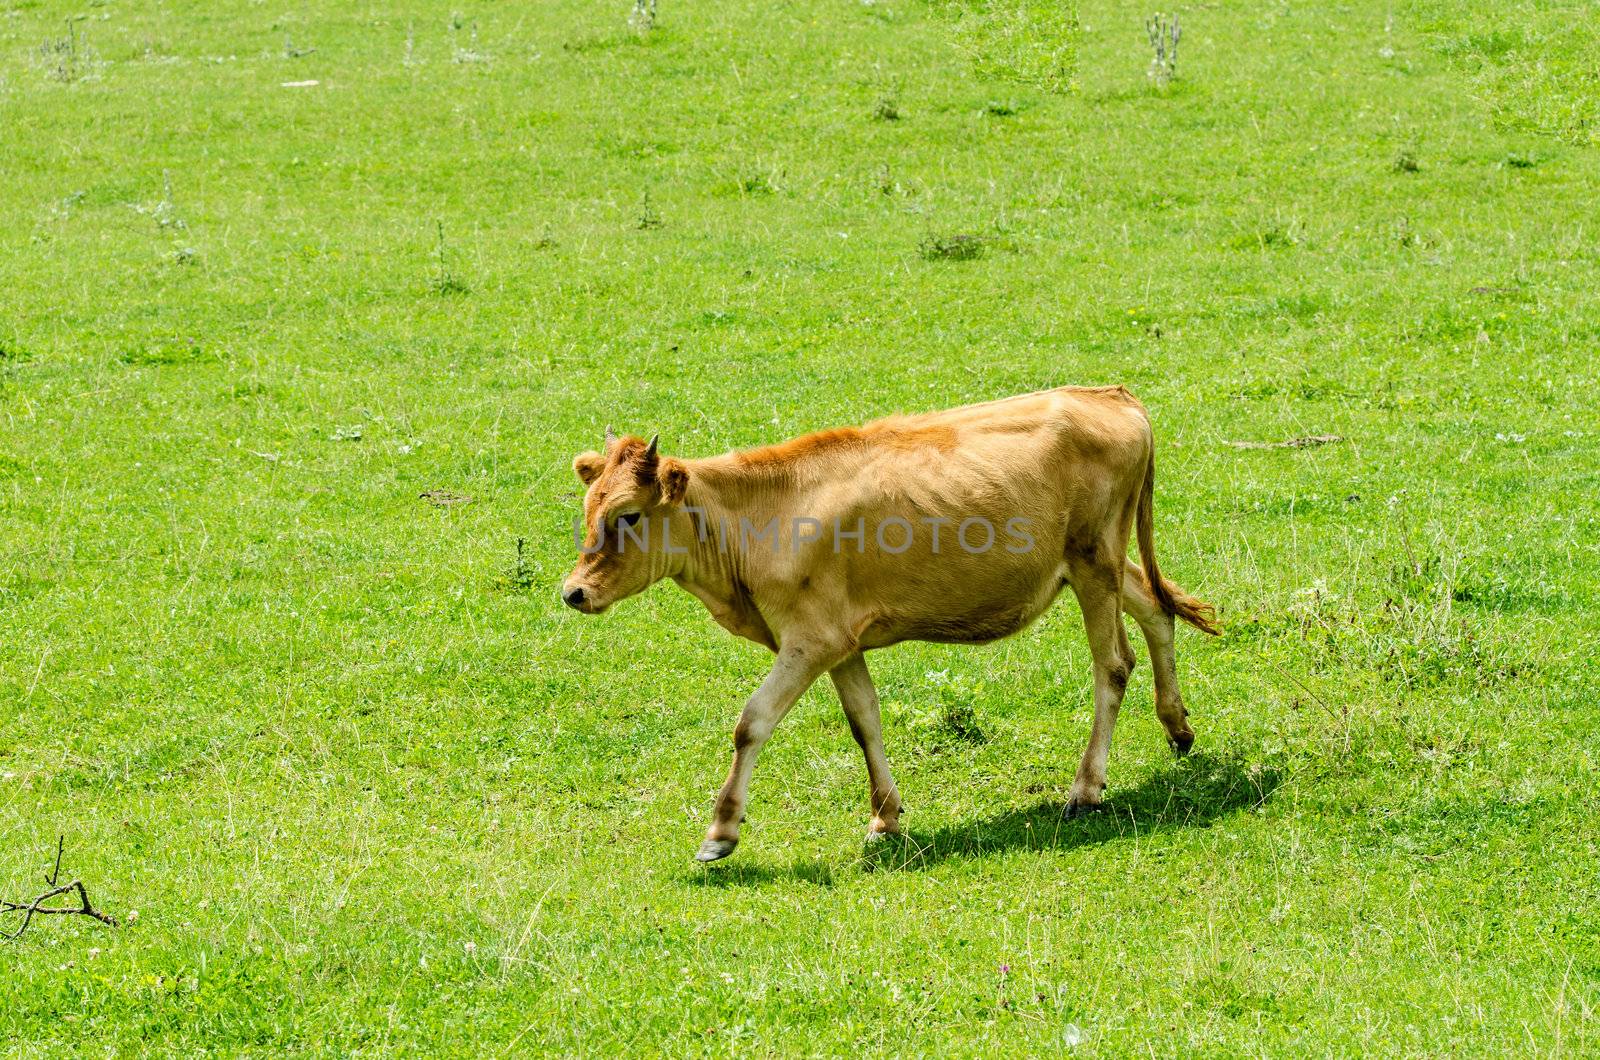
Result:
[{"x": 632, "y": 492}]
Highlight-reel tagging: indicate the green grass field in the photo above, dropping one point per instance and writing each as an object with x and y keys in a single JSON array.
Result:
[{"x": 355, "y": 781}]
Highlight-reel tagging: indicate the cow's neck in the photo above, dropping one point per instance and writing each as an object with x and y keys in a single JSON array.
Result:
[{"x": 714, "y": 570}]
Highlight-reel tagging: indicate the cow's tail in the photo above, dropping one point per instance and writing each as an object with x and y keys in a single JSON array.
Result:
[{"x": 1173, "y": 600}]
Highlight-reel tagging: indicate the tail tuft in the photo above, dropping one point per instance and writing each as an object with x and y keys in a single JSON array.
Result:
[{"x": 1196, "y": 612}]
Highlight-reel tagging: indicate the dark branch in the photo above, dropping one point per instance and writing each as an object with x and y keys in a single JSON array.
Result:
[
  {"x": 55, "y": 874},
  {"x": 37, "y": 907}
]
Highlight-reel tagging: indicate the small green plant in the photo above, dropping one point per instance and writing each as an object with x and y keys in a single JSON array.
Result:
[
  {"x": 1406, "y": 162},
  {"x": 68, "y": 203},
  {"x": 63, "y": 58},
  {"x": 886, "y": 109},
  {"x": 470, "y": 52},
  {"x": 1164, "y": 33},
  {"x": 648, "y": 217},
  {"x": 756, "y": 184},
  {"x": 1409, "y": 237},
  {"x": 519, "y": 577},
  {"x": 168, "y": 352},
  {"x": 444, "y": 279},
  {"x": 163, "y": 211},
  {"x": 440, "y": 498},
  {"x": 957, "y": 247},
  {"x": 1271, "y": 237},
  {"x": 643, "y": 16},
  {"x": 948, "y": 717}
]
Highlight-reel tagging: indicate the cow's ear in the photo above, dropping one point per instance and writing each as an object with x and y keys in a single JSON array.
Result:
[
  {"x": 588, "y": 466},
  {"x": 674, "y": 479}
]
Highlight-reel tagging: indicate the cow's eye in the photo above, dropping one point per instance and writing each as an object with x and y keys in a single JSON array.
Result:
[{"x": 629, "y": 518}]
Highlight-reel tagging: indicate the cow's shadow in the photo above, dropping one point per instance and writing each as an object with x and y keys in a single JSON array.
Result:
[{"x": 1190, "y": 793}]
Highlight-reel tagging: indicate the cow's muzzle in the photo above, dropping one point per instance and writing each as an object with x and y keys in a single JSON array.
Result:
[{"x": 575, "y": 598}]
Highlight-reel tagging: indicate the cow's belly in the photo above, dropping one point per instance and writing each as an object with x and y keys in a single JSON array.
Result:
[{"x": 958, "y": 606}]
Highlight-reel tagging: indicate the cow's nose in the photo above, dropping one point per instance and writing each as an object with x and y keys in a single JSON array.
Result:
[{"x": 572, "y": 597}]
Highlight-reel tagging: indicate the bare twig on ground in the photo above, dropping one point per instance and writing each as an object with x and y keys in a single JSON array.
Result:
[{"x": 37, "y": 907}]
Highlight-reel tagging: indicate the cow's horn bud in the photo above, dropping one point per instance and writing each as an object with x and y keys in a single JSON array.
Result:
[
  {"x": 611, "y": 437},
  {"x": 650, "y": 450}
]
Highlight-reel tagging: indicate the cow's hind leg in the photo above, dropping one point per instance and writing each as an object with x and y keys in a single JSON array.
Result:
[
  {"x": 1097, "y": 584},
  {"x": 860, "y": 702},
  {"x": 1158, "y": 635}
]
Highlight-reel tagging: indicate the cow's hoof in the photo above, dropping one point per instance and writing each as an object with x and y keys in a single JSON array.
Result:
[
  {"x": 715, "y": 849},
  {"x": 1080, "y": 809},
  {"x": 1181, "y": 743}
]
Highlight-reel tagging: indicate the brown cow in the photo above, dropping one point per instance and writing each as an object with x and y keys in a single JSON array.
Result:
[{"x": 958, "y": 526}]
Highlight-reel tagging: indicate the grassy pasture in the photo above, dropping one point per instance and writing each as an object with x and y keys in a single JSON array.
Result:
[{"x": 368, "y": 787}]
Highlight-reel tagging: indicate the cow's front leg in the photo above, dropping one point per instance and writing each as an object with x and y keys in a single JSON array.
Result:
[
  {"x": 797, "y": 666},
  {"x": 860, "y": 700}
]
